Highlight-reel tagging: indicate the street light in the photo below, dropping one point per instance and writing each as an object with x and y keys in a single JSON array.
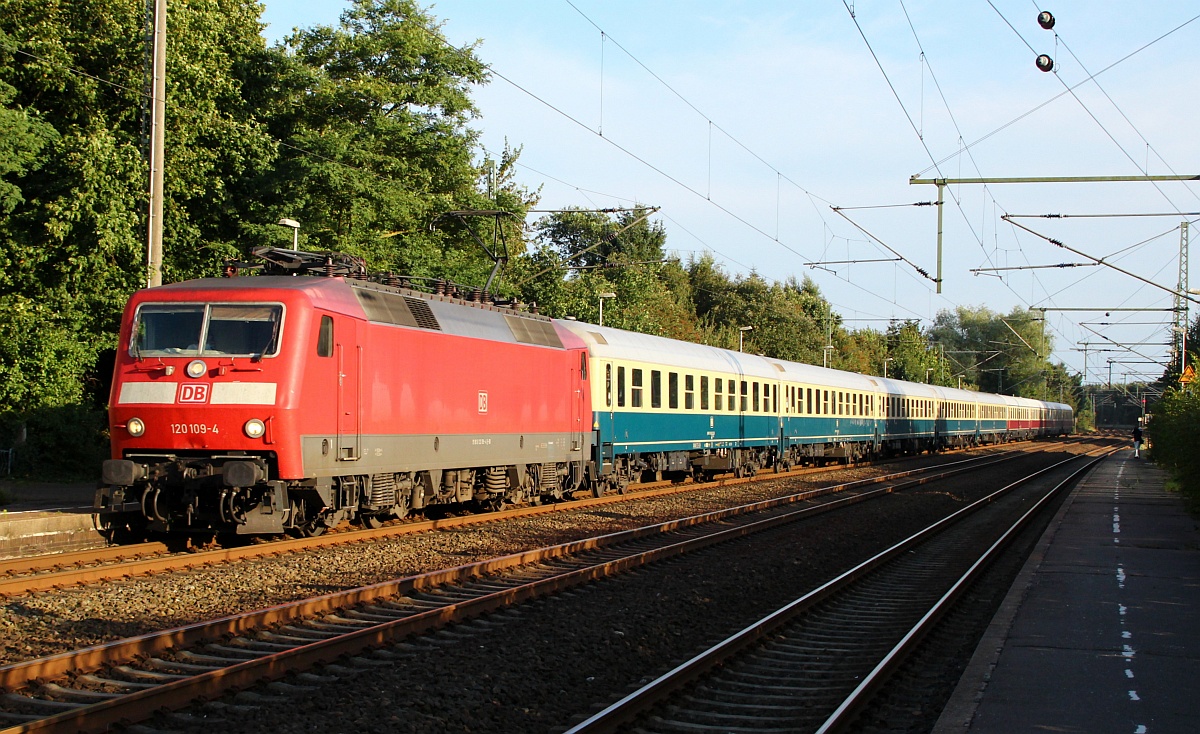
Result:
[
  {"x": 742, "y": 333},
  {"x": 602, "y": 296},
  {"x": 295, "y": 231},
  {"x": 885, "y": 361},
  {"x": 927, "y": 371}
]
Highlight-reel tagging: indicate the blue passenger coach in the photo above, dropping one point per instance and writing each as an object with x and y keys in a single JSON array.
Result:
[{"x": 666, "y": 408}]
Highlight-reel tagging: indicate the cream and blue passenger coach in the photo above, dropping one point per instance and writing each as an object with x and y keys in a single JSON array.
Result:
[{"x": 662, "y": 407}]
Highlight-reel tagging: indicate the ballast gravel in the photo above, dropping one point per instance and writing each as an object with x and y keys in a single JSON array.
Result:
[
  {"x": 51, "y": 622},
  {"x": 532, "y": 669}
]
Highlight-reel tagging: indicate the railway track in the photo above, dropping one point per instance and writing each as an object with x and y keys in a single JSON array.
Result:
[
  {"x": 94, "y": 688},
  {"x": 58, "y": 571},
  {"x": 814, "y": 664}
]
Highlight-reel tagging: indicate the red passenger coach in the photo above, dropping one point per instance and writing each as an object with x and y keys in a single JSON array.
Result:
[{"x": 268, "y": 404}]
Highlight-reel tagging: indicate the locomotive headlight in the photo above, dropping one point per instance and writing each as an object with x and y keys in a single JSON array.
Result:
[
  {"x": 196, "y": 368},
  {"x": 254, "y": 428},
  {"x": 135, "y": 427}
]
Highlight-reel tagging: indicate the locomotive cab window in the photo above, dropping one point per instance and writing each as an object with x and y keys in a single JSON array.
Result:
[
  {"x": 325, "y": 337},
  {"x": 193, "y": 330}
]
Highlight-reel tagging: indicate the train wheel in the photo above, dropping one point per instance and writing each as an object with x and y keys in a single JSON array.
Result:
[
  {"x": 312, "y": 529},
  {"x": 129, "y": 528},
  {"x": 371, "y": 521},
  {"x": 402, "y": 507}
]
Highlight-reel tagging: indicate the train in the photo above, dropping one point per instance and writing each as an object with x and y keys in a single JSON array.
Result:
[{"x": 303, "y": 393}]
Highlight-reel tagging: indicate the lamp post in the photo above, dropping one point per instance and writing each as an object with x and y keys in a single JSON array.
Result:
[
  {"x": 295, "y": 227},
  {"x": 741, "y": 334},
  {"x": 602, "y": 296},
  {"x": 927, "y": 371},
  {"x": 885, "y": 361}
]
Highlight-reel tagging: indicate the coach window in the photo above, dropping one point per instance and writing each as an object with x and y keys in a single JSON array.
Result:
[
  {"x": 755, "y": 392},
  {"x": 637, "y": 388},
  {"x": 718, "y": 387},
  {"x": 703, "y": 392},
  {"x": 655, "y": 388},
  {"x": 731, "y": 401},
  {"x": 745, "y": 396},
  {"x": 325, "y": 337},
  {"x": 673, "y": 390},
  {"x": 620, "y": 387},
  {"x": 608, "y": 385},
  {"x": 689, "y": 392}
]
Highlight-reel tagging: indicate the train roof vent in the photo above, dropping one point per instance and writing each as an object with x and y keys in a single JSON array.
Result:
[
  {"x": 391, "y": 308},
  {"x": 598, "y": 337},
  {"x": 533, "y": 331},
  {"x": 778, "y": 366},
  {"x": 423, "y": 314}
]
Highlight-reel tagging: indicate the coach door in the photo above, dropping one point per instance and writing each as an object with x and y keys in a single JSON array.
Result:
[
  {"x": 349, "y": 391},
  {"x": 580, "y": 380},
  {"x": 606, "y": 413}
]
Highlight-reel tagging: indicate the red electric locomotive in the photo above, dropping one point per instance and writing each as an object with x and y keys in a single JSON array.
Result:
[{"x": 272, "y": 404}]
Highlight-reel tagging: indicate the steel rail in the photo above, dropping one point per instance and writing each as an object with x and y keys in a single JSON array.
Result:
[
  {"x": 268, "y": 667},
  {"x": 58, "y": 561},
  {"x": 858, "y": 698},
  {"x": 18, "y": 580},
  {"x": 18, "y": 674},
  {"x": 628, "y": 708}
]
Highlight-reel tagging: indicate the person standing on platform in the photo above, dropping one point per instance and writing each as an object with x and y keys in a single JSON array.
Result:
[{"x": 1137, "y": 441}]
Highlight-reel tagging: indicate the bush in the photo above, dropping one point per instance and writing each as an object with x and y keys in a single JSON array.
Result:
[
  {"x": 1173, "y": 432},
  {"x": 56, "y": 443}
]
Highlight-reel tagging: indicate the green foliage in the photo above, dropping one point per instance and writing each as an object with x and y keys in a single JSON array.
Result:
[
  {"x": 1172, "y": 432},
  {"x": 362, "y": 132},
  {"x": 56, "y": 443}
]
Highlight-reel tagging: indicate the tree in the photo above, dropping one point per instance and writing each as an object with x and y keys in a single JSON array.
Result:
[
  {"x": 373, "y": 114},
  {"x": 359, "y": 131}
]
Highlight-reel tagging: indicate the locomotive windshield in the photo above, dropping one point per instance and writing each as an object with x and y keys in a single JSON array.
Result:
[{"x": 233, "y": 329}]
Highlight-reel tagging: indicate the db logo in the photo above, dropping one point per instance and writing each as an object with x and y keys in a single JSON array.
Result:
[
  {"x": 483, "y": 400},
  {"x": 193, "y": 393}
]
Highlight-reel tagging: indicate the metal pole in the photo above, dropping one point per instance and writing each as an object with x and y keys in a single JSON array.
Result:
[
  {"x": 941, "y": 190},
  {"x": 158, "y": 112},
  {"x": 1181, "y": 300}
]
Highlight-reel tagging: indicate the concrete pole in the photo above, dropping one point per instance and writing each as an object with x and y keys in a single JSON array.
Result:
[{"x": 158, "y": 107}]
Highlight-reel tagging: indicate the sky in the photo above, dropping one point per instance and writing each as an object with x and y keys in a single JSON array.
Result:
[{"x": 780, "y": 137}]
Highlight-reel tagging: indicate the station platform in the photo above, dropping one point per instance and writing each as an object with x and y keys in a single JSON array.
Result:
[
  {"x": 47, "y": 518},
  {"x": 1099, "y": 633}
]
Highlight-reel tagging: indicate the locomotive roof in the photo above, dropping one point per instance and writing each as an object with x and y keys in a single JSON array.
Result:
[{"x": 383, "y": 304}]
